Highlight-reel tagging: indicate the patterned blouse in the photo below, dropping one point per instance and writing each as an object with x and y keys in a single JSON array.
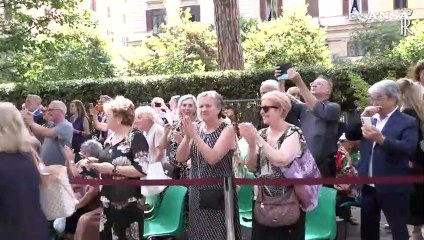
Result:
[
  {"x": 131, "y": 151},
  {"x": 266, "y": 169}
]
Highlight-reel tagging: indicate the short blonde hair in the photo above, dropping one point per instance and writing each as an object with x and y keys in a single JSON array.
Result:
[
  {"x": 149, "y": 112},
  {"x": 14, "y": 135},
  {"x": 121, "y": 107},
  {"x": 157, "y": 100},
  {"x": 279, "y": 99}
]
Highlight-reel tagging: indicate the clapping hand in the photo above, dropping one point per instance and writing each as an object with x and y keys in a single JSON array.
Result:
[
  {"x": 248, "y": 132},
  {"x": 188, "y": 127}
]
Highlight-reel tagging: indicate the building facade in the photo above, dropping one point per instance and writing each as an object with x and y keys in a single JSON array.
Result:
[{"x": 126, "y": 22}]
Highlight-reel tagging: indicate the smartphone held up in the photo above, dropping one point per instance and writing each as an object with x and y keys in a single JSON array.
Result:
[{"x": 283, "y": 71}]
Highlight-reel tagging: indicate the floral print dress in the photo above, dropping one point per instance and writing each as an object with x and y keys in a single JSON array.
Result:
[
  {"x": 182, "y": 168},
  {"x": 122, "y": 215}
]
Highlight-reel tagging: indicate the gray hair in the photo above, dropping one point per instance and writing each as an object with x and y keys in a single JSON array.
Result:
[
  {"x": 270, "y": 83},
  {"x": 92, "y": 148},
  {"x": 388, "y": 87},
  {"x": 148, "y": 112},
  {"x": 219, "y": 100},
  {"x": 184, "y": 98},
  {"x": 61, "y": 105}
]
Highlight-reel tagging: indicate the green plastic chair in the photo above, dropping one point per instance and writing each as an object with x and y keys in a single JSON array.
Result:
[
  {"x": 321, "y": 222},
  {"x": 245, "y": 200},
  {"x": 245, "y": 195},
  {"x": 152, "y": 206},
  {"x": 169, "y": 219}
]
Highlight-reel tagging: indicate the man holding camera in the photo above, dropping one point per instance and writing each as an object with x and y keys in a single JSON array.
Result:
[{"x": 318, "y": 119}]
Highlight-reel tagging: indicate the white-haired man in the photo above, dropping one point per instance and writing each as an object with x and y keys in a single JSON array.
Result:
[
  {"x": 293, "y": 116},
  {"x": 56, "y": 137}
]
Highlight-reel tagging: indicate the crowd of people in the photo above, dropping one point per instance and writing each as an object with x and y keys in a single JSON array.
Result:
[{"x": 196, "y": 137}]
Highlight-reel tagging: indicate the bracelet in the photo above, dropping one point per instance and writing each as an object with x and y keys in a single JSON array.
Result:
[{"x": 114, "y": 169}]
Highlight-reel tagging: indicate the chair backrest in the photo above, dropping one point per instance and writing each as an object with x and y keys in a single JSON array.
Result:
[
  {"x": 324, "y": 215},
  {"x": 172, "y": 206},
  {"x": 153, "y": 203},
  {"x": 245, "y": 195}
]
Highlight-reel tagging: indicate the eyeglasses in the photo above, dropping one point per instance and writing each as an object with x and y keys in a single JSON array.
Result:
[
  {"x": 377, "y": 99},
  {"x": 266, "y": 108}
]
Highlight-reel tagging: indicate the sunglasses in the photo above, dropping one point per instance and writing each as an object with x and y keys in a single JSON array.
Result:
[{"x": 266, "y": 108}]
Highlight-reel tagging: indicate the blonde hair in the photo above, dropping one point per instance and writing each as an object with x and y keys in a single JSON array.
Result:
[
  {"x": 279, "y": 99},
  {"x": 411, "y": 98},
  {"x": 149, "y": 112},
  {"x": 184, "y": 98},
  {"x": 121, "y": 107},
  {"x": 14, "y": 135}
]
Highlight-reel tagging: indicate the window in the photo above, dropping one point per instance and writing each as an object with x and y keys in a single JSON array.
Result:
[
  {"x": 399, "y": 4},
  {"x": 154, "y": 18},
  {"x": 354, "y": 6},
  {"x": 108, "y": 12},
  {"x": 93, "y": 5},
  {"x": 270, "y": 9},
  {"x": 194, "y": 11},
  {"x": 313, "y": 8},
  {"x": 355, "y": 48},
  {"x": 125, "y": 41}
]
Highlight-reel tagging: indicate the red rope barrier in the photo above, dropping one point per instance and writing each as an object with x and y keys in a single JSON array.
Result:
[{"x": 259, "y": 181}]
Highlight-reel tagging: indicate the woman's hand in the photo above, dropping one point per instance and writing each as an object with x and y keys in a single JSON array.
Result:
[
  {"x": 248, "y": 132},
  {"x": 188, "y": 127}
]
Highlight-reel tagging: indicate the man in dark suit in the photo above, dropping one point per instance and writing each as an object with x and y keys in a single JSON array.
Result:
[{"x": 385, "y": 150}]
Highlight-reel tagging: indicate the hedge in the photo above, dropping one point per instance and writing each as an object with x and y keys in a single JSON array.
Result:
[{"x": 350, "y": 84}]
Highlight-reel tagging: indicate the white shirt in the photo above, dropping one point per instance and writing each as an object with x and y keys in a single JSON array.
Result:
[{"x": 379, "y": 125}]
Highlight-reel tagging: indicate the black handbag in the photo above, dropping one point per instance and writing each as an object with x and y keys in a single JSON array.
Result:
[
  {"x": 211, "y": 199},
  {"x": 171, "y": 170}
]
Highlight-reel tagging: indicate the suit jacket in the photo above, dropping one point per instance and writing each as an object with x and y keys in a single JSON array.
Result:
[{"x": 392, "y": 157}]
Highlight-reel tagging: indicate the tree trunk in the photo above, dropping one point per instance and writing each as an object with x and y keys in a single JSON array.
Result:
[{"x": 228, "y": 33}]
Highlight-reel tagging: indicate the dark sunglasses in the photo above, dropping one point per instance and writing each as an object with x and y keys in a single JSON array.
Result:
[{"x": 266, "y": 108}]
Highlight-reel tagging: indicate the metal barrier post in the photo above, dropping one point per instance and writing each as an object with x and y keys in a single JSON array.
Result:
[{"x": 229, "y": 207}]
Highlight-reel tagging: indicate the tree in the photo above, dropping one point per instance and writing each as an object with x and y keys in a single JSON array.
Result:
[
  {"x": 247, "y": 25},
  {"x": 378, "y": 39},
  {"x": 411, "y": 48},
  {"x": 228, "y": 33},
  {"x": 292, "y": 37},
  {"x": 34, "y": 46},
  {"x": 184, "y": 47}
]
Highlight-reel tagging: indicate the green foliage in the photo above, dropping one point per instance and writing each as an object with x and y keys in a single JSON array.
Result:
[
  {"x": 411, "y": 48},
  {"x": 290, "y": 38},
  {"x": 37, "y": 45},
  {"x": 186, "y": 47},
  {"x": 247, "y": 25},
  {"x": 350, "y": 84},
  {"x": 378, "y": 39}
]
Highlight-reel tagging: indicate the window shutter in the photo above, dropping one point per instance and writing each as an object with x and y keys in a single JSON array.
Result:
[
  {"x": 149, "y": 21},
  {"x": 279, "y": 5},
  {"x": 364, "y": 4},
  {"x": 262, "y": 7},
  {"x": 345, "y": 7},
  {"x": 195, "y": 10},
  {"x": 313, "y": 8}
]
